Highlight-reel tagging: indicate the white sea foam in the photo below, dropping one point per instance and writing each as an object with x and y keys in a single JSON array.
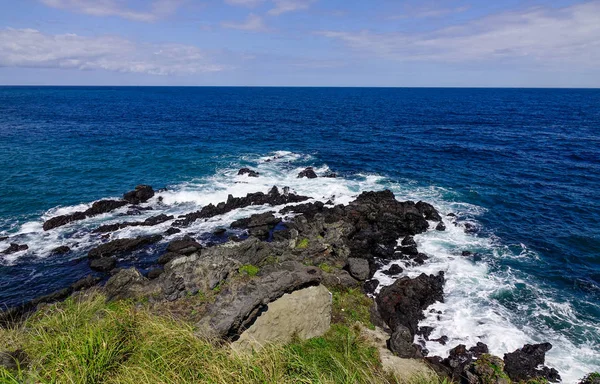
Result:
[{"x": 470, "y": 313}]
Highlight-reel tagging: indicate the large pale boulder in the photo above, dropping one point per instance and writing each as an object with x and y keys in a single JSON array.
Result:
[{"x": 305, "y": 313}]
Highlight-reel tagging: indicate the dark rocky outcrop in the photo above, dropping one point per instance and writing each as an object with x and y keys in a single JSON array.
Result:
[
  {"x": 522, "y": 364},
  {"x": 440, "y": 226},
  {"x": 103, "y": 264},
  {"x": 394, "y": 270},
  {"x": 13, "y": 248},
  {"x": 459, "y": 361},
  {"x": 274, "y": 197},
  {"x": 258, "y": 225},
  {"x": 140, "y": 194},
  {"x": 180, "y": 247},
  {"x": 151, "y": 221},
  {"x": 402, "y": 303},
  {"x": 249, "y": 172},
  {"x": 428, "y": 211},
  {"x": 591, "y": 378},
  {"x": 63, "y": 249},
  {"x": 401, "y": 343},
  {"x": 370, "y": 286},
  {"x": 122, "y": 246},
  {"x": 241, "y": 302},
  {"x": 308, "y": 172},
  {"x": 97, "y": 208},
  {"x": 358, "y": 268}
]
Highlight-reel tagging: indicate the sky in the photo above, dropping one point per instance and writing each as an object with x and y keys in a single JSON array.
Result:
[{"x": 381, "y": 43}]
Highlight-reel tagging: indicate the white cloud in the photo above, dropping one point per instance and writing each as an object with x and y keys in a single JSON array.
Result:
[
  {"x": 252, "y": 23},
  {"x": 32, "y": 49},
  {"x": 284, "y": 6},
  {"x": 158, "y": 8},
  {"x": 244, "y": 3},
  {"x": 541, "y": 35}
]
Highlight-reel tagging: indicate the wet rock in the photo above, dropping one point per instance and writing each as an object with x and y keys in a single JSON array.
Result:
[
  {"x": 428, "y": 211},
  {"x": 274, "y": 197},
  {"x": 103, "y": 264},
  {"x": 442, "y": 340},
  {"x": 522, "y": 364},
  {"x": 172, "y": 231},
  {"x": 425, "y": 331},
  {"x": 219, "y": 231},
  {"x": 122, "y": 246},
  {"x": 249, "y": 172},
  {"x": 151, "y": 221},
  {"x": 2, "y": 238},
  {"x": 401, "y": 343},
  {"x": 97, "y": 208},
  {"x": 307, "y": 172},
  {"x": 61, "y": 250},
  {"x": 370, "y": 286},
  {"x": 140, "y": 194},
  {"x": 258, "y": 225},
  {"x": 402, "y": 303},
  {"x": 13, "y": 248},
  {"x": 167, "y": 257},
  {"x": 184, "y": 246},
  {"x": 591, "y": 378},
  {"x": 440, "y": 226},
  {"x": 13, "y": 360},
  {"x": 305, "y": 313},
  {"x": 358, "y": 268},
  {"x": 85, "y": 283},
  {"x": 330, "y": 175},
  {"x": 394, "y": 270}
]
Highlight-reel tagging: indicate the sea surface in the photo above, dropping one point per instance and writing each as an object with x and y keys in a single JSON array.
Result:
[{"x": 522, "y": 166}]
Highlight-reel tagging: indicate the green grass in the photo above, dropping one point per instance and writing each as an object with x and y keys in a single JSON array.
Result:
[
  {"x": 249, "y": 269},
  {"x": 302, "y": 243},
  {"x": 351, "y": 306},
  {"x": 326, "y": 267},
  {"x": 87, "y": 340}
]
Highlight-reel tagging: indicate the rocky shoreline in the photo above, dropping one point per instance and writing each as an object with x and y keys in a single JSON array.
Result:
[{"x": 299, "y": 244}]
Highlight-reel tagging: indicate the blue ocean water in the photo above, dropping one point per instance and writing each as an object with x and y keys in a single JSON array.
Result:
[{"x": 521, "y": 164}]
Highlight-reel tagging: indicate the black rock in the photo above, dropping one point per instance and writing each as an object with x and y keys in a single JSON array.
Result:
[
  {"x": 592, "y": 378},
  {"x": 273, "y": 197},
  {"x": 402, "y": 303},
  {"x": 440, "y": 226},
  {"x": 103, "y": 264},
  {"x": 61, "y": 250},
  {"x": 2, "y": 238},
  {"x": 219, "y": 231},
  {"x": 522, "y": 364},
  {"x": 370, "y": 286},
  {"x": 409, "y": 241},
  {"x": 401, "y": 343},
  {"x": 97, "y": 208},
  {"x": 165, "y": 258},
  {"x": 425, "y": 331},
  {"x": 184, "y": 246},
  {"x": 122, "y": 246},
  {"x": 140, "y": 194},
  {"x": 172, "y": 231},
  {"x": 428, "y": 211},
  {"x": 13, "y": 248},
  {"x": 249, "y": 172},
  {"x": 442, "y": 340},
  {"x": 308, "y": 172},
  {"x": 394, "y": 270}
]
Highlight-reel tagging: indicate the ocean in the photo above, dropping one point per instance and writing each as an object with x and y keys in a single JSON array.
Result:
[{"x": 520, "y": 166}]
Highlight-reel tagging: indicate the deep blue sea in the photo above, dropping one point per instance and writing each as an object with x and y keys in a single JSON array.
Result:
[{"x": 523, "y": 165}]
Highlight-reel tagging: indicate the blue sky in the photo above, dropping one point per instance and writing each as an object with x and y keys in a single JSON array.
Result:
[{"x": 502, "y": 43}]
